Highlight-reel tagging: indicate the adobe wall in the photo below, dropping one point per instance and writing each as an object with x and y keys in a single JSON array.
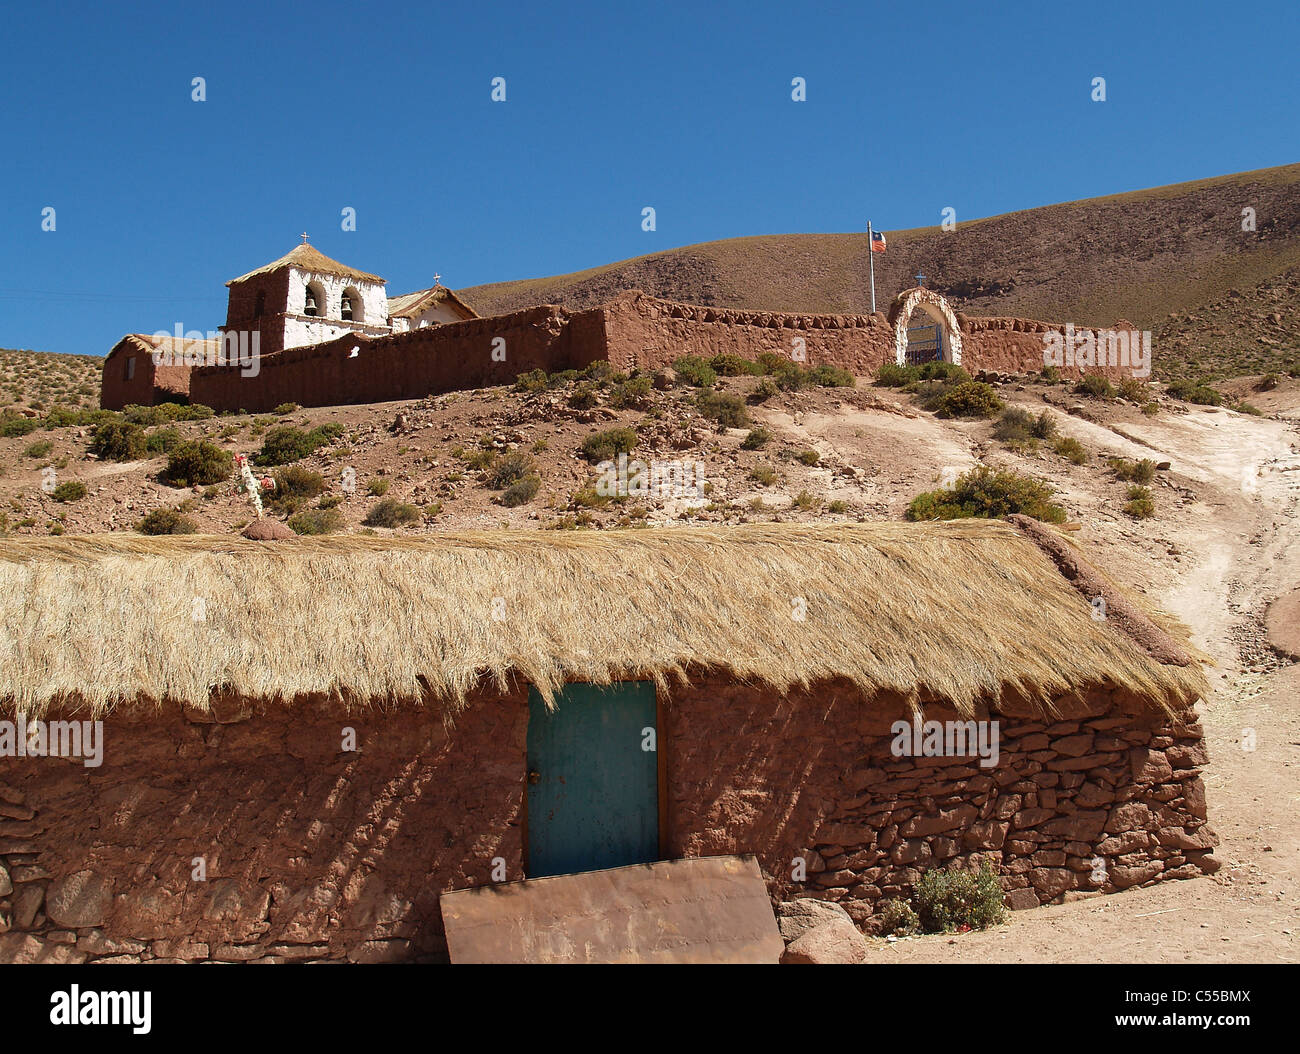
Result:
[
  {"x": 150, "y": 384},
  {"x": 316, "y": 854},
  {"x": 1015, "y": 345},
  {"x": 813, "y": 777},
  {"x": 405, "y": 365}
]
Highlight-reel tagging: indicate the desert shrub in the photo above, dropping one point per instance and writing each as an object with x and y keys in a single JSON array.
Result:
[
  {"x": 1196, "y": 392},
  {"x": 607, "y": 445},
  {"x": 476, "y": 459},
  {"x": 1072, "y": 450},
  {"x": 988, "y": 493},
  {"x": 633, "y": 393},
  {"x": 808, "y": 457},
  {"x": 1133, "y": 471},
  {"x": 898, "y": 919},
  {"x": 695, "y": 371},
  {"x": 285, "y": 408},
  {"x": 510, "y": 469},
  {"x": 11, "y": 426},
  {"x": 330, "y": 501},
  {"x": 378, "y": 487},
  {"x": 66, "y": 417},
  {"x": 521, "y": 491},
  {"x": 165, "y": 413},
  {"x": 1248, "y": 408},
  {"x": 949, "y": 899},
  {"x": 763, "y": 475},
  {"x": 892, "y": 375},
  {"x": 1139, "y": 504},
  {"x": 805, "y": 501},
  {"x": 166, "y": 521},
  {"x": 316, "y": 521},
  {"x": 1050, "y": 375},
  {"x": 285, "y": 443},
  {"x": 837, "y": 507},
  {"x": 584, "y": 396},
  {"x": 729, "y": 364},
  {"x": 936, "y": 370},
  {"x": 391, "y": 513},
  {"x": 193, "y": 464},
  {"x": 600, "y": 371},
  {"x": 38, "y": 449},
  {"x": 72, "y": 490},
  {"x": 163, "y": 440},
  {"x": 118, "y": 441},
  {"x": 724, "y": 407},
  {"x": 1096, "y": 385},
  {"x": 764, "y": 390},
  {"x": 832, "y": 377},
  {"x": 756, "y": 439},
  {"x": 965, "y": 399},
  {"x": 1134, "y": 389},
  {"x": 532, "y": 381},
  {"x": 1150, "y": 409},
  {"x": 791, "y": 377},
  {"x": 294, "y": 487},
  {"x": 1267, "y": 383}
]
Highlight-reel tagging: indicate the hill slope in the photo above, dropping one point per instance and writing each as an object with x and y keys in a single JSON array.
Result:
[{"x": 1140, "y": 256}]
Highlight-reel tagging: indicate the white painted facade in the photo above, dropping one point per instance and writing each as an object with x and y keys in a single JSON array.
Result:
[
  {"x": 369, "y": 305},
  {"x": 435, "y": 315}
]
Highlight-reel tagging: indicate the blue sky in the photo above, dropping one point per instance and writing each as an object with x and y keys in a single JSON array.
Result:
[{"x": 610, "y": 107}]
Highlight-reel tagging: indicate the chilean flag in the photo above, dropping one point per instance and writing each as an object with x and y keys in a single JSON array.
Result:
[{"x": 877, "y": 242}]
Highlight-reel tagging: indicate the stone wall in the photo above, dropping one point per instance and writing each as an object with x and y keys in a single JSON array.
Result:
[
  {"x": 313, "y": 853},
  {"x": 149, "y": 384}
]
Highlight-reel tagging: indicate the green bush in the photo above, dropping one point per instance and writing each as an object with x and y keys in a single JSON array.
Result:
[
  {"x": 695, "y": 371},
  {"x": 378, "y": 487},
  {"x": 532, "y": 381},
  {"x": 898, "y": 919},
  {"x": 66, "y": 417},
  {"x": 165, "y": 413},
  {"x": 119, "y": 440},
  {"x": 163, "y": 440},
  {"x": 285, "y": 444},
  {"x": 294, "y": 487},
  {"x": 72, "y": 490},
  {"x": 316, "y": 521},
  {"x": 285, "y": 408},
  {"x": 1051, "y": 374},
  {"x": 988, "y": 493},
  {"x": 510, "y": 469},
  {"x": 1133, "y": 471},
  {"x": 38, "y": 449},
  {"x": 967, "y": 399},
  {"x": 832, "y": 377},
  {"x": 1134, "y": 389},
  {"x": 521, "y": 491},
  {"x": 724, "y": 407},
  {"x": 391, "y": 513},
  {"x": 764, "y": 390},
  {"x": 805, "y": 501},
  {"x": 1139, "y": 504},
  {"x": 1248, "y": 408},
  {"x": 729, "y": 364},
  {"x": 763, "y": 475},
  {"x": 808, "y": 457},
  {"x": 892, "y": 375},
  {"x": 166, "y": 521},
  {"x": 584, "y": 396},
  {"x": 607, "y": 445},
  {"x": 756, "y": 439},
  {"x": 949, "y": 899},
  {"x": 1072, "y": 450},
  {"x": 1195, "y": 392},
  {"x": 631, "y": 394},
  {"x": 194, "y": 464},
  {"x": 1096, "y": 385}
]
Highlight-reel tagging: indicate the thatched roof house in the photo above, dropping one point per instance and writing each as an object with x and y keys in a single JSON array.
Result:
[{"x": 770, "y": 665}]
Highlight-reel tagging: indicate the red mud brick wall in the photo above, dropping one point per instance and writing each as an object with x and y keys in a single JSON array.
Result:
[
  {"x": 149, "y": 385},
  {"x": 1015, "y": 345},
  {"x": 410, "y": 365},
  {"x": 311, "y": 853},
  {"x": 812, "y": 776},
  {"x": 647, "y": 332}
]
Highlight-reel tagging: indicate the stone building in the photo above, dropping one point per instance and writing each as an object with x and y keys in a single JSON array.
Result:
[{"x": 305, "y": 743}]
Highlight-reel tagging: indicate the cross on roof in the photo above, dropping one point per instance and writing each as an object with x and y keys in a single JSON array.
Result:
[
  {"x": 436, "y": 276},
  {"x": 303, "y": 236},
  {"x": 920, "y": 278}
]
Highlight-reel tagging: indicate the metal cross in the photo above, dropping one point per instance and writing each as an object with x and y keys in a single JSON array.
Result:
[
  {"x": 920, "y": 278},
  {"x": 304, "y": 237},
  {"x": 436, "y": 276}
]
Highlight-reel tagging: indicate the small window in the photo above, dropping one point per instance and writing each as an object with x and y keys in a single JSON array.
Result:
[
  {"x": 130, "y": 368},
  {"x": 261, "y": 305}
]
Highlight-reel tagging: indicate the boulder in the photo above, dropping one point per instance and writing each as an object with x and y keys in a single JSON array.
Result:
[
  {"x": 794, "y": 918},
  {"x": 831, "y": 943},
  {"x": 267, "y": 531},
  {"x": 79, "y": 899}
]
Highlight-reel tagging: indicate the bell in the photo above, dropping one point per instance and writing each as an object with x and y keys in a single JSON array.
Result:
[
  {"x": 347, "y": 308},
  {"x": 311, "y": 303}
]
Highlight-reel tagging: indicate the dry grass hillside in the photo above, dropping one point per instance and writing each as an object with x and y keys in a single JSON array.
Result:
[{"x": 1172, "y": 259}]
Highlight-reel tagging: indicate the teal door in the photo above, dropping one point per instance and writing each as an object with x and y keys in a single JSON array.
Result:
[{"x": 593, "y": 790}]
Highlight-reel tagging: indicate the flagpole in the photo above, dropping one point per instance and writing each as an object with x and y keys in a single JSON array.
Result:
[{"x": 871, "y": 260}]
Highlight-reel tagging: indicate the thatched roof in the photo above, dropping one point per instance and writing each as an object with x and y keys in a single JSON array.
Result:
[
  {"x": 147, "y": 343},
  {"x": 958, "y": 611},
  {"x": 410, "y": 305},
  {"x": 308, "y": 258}
]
